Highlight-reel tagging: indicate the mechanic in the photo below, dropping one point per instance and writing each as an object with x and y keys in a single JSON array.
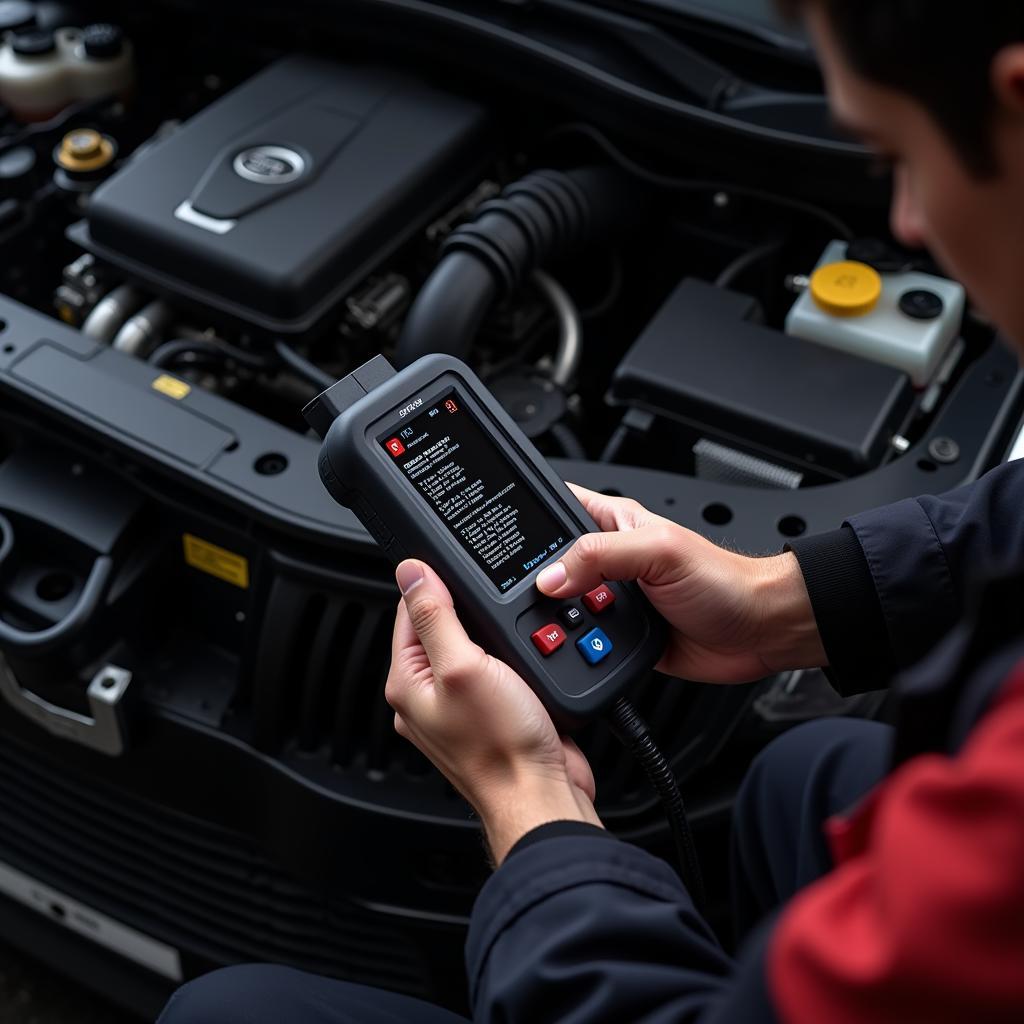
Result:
[{"x": 903, "y": 905}]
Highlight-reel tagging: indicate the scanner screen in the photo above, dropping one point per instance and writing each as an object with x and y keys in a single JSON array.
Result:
[{"x": 472, "y": 487}]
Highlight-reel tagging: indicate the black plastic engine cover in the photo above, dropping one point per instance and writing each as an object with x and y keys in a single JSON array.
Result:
[{"x": 274, "y": 201}]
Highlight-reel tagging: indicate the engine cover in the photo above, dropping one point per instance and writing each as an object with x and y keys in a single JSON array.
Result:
[{"x": 274, "y": 201}]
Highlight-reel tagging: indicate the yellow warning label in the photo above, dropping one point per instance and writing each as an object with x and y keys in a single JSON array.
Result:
[
  {"x": 207, "y": 557},
  {"x": 171, "y": 386}
]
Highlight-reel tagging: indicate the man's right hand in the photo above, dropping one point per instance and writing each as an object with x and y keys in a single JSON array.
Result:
[{"x": 734, "y": 618}]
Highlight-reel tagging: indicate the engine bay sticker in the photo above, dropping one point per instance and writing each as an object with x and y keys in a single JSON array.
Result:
[
  {"x": 216, "y": 561},
  {"x": 171, "y": 386}
]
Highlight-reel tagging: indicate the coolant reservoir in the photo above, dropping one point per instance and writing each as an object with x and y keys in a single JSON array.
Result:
[
  {"x": 907, "y": 320},
  {"x": 42, "y": 71}
]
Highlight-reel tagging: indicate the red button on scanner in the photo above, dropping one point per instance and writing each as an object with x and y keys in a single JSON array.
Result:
[
  {"x": 548, "y": 639},
  {"x": 600, "y": 599}
]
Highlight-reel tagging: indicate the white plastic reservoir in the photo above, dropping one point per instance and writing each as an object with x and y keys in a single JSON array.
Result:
[{"x": 907, "y": 320}]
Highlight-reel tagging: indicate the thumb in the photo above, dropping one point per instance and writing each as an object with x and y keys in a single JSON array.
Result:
[
  {"x": 432, "y": 615},
  {"x": 643, "y": 554}
]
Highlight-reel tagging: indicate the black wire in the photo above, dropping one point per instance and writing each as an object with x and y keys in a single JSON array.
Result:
[
  {"x": 667, "y": 181},
  {"x": 631, "y": 730},
  {"x": 303, "y": 367},
  {"x": 611, "y": 292},
  {"x": 170, "y": 352},
  {"x": 614, "y": 445},
  {"x": 566, "y": 439},
  {"x": 54, "y": 123},
  {"x": 745, "y": 261},
  {"x": 220, "y": 351}
]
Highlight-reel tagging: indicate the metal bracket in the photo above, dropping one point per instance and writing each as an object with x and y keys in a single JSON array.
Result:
[{"x": 104, "y": 731}]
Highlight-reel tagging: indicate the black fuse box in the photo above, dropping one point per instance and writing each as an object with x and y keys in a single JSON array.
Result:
[{"x": 702, "y": 360}]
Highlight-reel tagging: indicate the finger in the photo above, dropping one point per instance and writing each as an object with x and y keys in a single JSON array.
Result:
[
  {"x": 643, "y": 554},
  {"x": 404, "y": 637},
  {"x": 433, "y": 619},
  {"x": 409, "y": 665},
  {"x": 409, "y": 661},
  {"x": 613, "y": 513}
]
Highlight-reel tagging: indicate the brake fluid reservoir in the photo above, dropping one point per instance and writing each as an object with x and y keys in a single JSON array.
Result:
[
  {"x": 34, "y": 83},
  {"x": 907, "y": 319}
]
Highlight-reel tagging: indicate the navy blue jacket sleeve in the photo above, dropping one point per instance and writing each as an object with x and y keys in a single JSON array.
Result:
[
  {"x": 889, "y": 584},
  {"x": 592, "y": 930}
]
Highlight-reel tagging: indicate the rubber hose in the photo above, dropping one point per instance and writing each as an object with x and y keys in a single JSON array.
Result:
[
  {"x": 447, "y": 314},
  {"x": 541, "y": 217}
]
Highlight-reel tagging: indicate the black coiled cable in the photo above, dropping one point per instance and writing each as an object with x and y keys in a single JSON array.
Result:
[{"x": 632, "y": 732}]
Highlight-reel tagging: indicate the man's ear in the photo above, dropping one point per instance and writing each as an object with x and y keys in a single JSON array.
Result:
[{"x": 1008, "y": 78}]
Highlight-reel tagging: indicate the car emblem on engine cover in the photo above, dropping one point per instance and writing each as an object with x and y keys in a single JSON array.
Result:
[{"x": 269, "y": 165}]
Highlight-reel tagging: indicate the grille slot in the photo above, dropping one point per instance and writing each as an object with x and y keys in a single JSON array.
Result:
[
  {"x": 196, "y": 886},
  {"x": 360, "y": 697},
  {"x": 275, "y": 669},
  {"x": 333, "y": 637}
]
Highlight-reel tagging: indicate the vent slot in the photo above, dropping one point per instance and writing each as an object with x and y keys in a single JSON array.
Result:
[
  {"x": 328, "y": 644},
  {"x": 361, "y": 689},
  {"x": 275, "y": 697}
]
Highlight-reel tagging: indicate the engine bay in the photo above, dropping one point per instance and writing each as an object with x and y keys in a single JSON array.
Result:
[
  {"x": 299, "y": 210},
  {"x": 275, "y": 230}
]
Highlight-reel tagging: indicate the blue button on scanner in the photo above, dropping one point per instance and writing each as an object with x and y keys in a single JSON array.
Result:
[{"x": 594, "y": 646}]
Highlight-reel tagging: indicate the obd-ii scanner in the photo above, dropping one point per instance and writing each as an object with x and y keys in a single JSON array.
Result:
[{"x": 436, "y": 470}]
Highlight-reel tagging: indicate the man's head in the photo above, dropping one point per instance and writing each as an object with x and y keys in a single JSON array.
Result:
[{"x": 936, "y": 88}]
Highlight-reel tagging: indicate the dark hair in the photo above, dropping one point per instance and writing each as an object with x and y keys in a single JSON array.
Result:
[{"x": 937, "y": 51}]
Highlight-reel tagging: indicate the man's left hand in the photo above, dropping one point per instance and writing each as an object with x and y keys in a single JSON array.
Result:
[{"x": 478, "y": 721}]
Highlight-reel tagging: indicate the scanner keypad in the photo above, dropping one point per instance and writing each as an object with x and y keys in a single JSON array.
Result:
[{"x": 549, "y": 625}]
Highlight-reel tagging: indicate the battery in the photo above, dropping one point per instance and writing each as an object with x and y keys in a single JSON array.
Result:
[{"x": 705, "y": 361}]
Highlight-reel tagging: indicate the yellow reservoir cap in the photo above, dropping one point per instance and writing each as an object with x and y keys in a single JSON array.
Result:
[{"x": 846, "y": 288}]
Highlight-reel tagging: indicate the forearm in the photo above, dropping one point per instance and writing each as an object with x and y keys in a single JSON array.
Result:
[
  {"x": 791, "y": 638},
  {"x": 508, "y": 812}
]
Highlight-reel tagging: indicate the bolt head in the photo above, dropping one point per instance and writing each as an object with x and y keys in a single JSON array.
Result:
[{"x": 944, "y": 450}]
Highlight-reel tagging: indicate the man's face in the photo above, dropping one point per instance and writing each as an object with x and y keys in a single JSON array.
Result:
[{"x": 973, "y": 227}]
